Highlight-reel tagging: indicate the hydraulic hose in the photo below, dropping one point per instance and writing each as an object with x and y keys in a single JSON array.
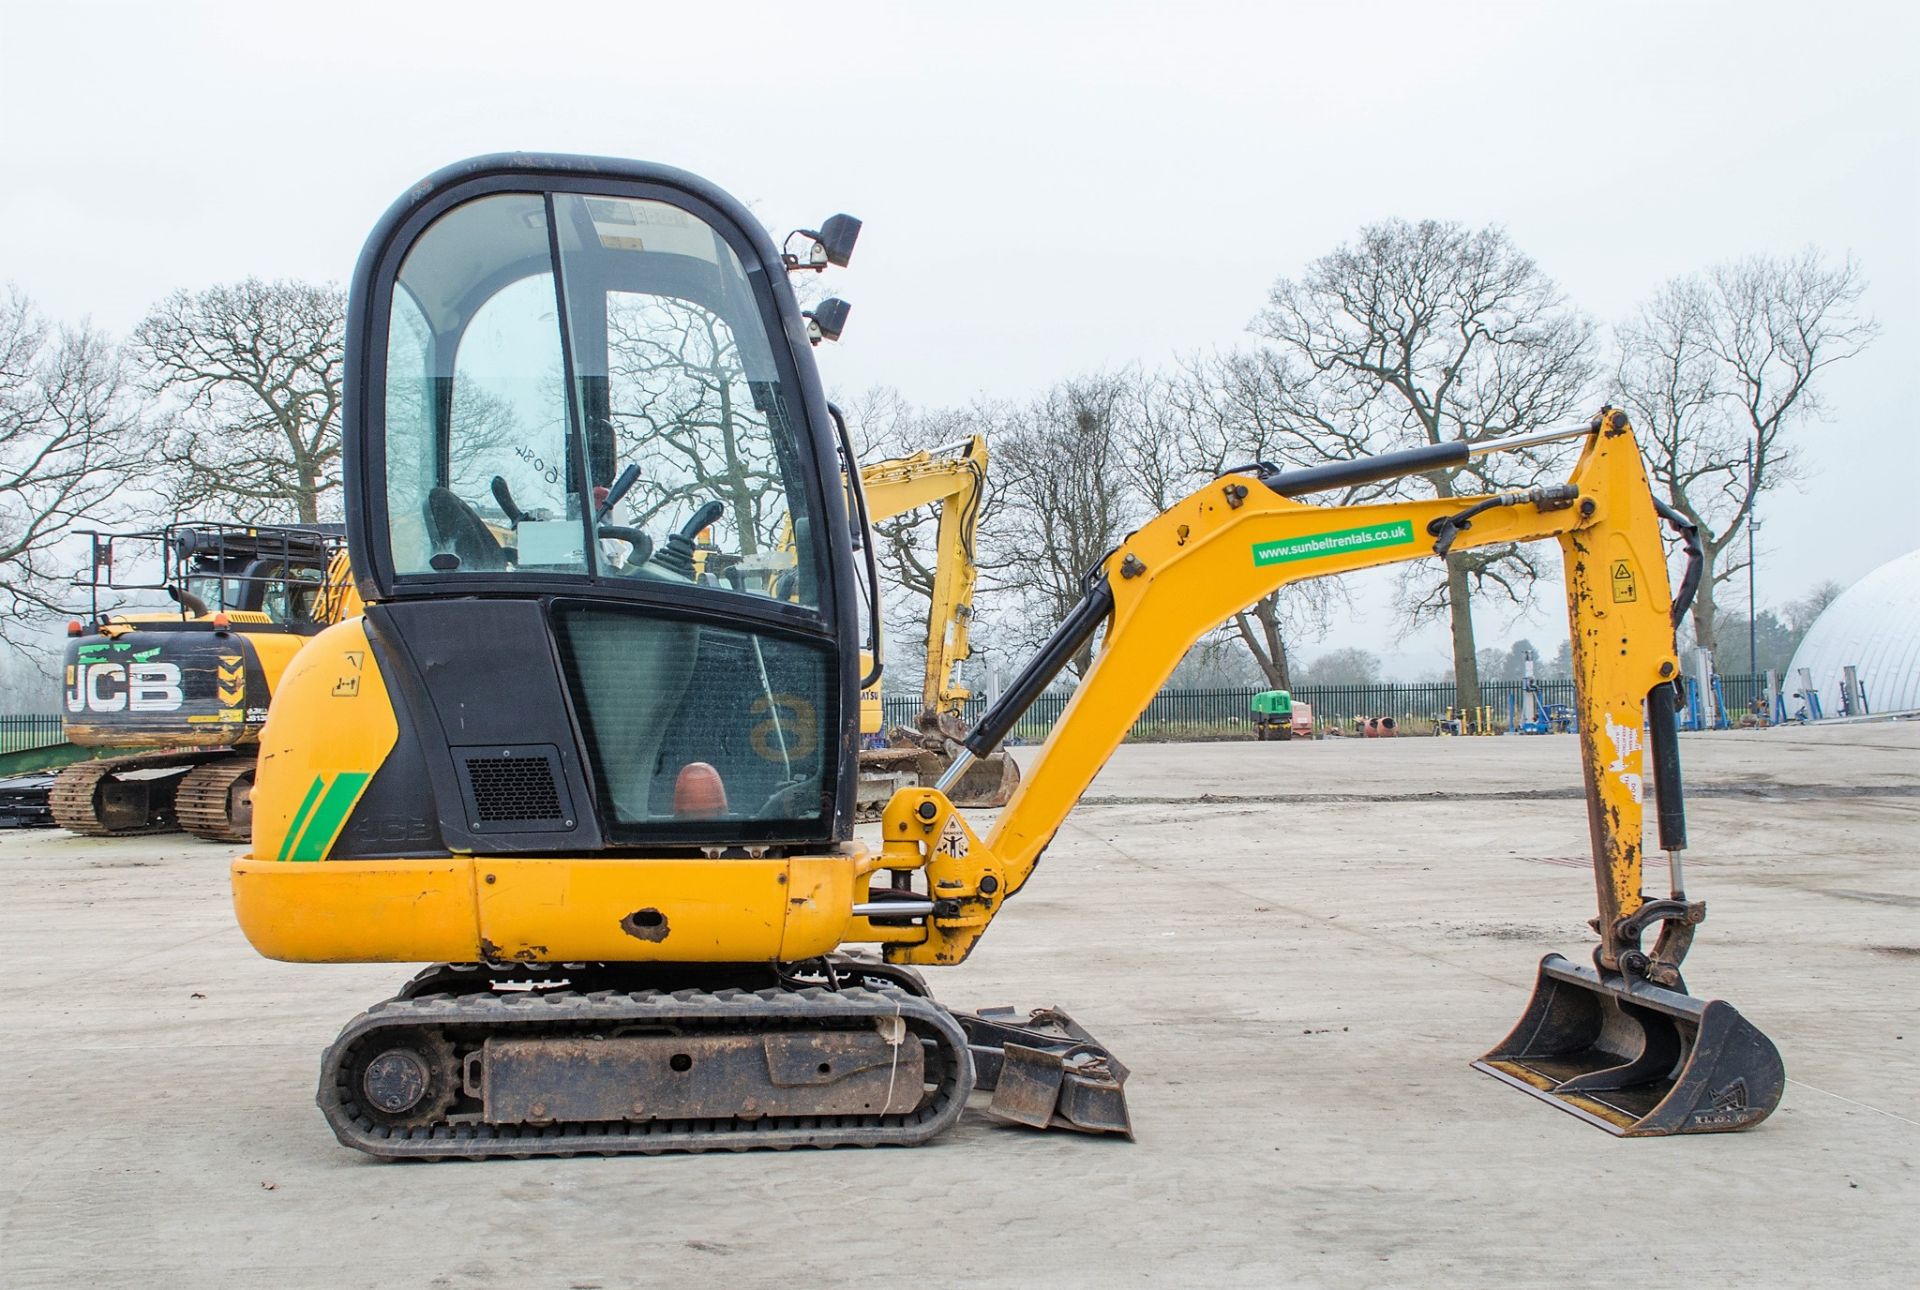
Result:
[{"x": 1696, "y": 557}]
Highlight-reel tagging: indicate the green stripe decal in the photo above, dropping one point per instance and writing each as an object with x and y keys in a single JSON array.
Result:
[
  {"x": 1338, "y": 542},
  {"x": 329, "y": 816},
  {"x": 300, "y": 816}
]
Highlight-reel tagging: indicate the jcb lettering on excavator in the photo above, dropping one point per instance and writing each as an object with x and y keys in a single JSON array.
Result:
[{"x": 124, "y": 687}]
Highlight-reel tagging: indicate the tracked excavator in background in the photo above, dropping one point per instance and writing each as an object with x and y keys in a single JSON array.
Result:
[
  {"x": 188, "y": 688},
  {"x": 954, "y": 478},
  {"x": 612, "y": 807}
]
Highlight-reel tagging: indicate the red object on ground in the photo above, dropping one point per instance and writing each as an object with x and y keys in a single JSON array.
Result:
[{"x": 699, "y": 793}]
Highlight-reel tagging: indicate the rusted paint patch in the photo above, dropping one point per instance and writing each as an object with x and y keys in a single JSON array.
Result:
[
  {"x": 492, "y": 953},
  {"x": 645, "y": 925}
]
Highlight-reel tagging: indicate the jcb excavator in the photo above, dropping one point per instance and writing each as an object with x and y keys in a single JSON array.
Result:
[
  {"x": 955, "y": 479},
  {"x": 190, "y": 686},
  {"x": 613, "y": 806}
]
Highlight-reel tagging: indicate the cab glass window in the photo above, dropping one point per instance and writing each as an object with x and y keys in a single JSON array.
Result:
[
  {"x": 482, "y": 476},
  {"x": 678, "y": 387},
  {"x": 619, "y": 414}
]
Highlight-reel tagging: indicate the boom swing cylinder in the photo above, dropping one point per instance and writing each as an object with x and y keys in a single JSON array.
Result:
[{"x": 598, "y": 764}]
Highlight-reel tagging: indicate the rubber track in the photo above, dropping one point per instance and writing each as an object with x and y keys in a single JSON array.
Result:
[
  {"x": 200, "y": 803},
  {"x": 472, "y": 1017}
]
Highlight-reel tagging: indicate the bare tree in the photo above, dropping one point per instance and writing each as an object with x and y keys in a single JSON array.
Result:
[
  {"x": 682, "y": 405},
  {"x": 1716, "y": 371},
  {"x": 257, "y": 368},
  {"x": 1346, "y": 666},
  {"x": 69, "y": 451},
  {"x": 1069, "y": 498},
  {"x": 1431, "y": 333},
  {"x": 1216, "y": 412},
  {"x": 1801, "y": 614}
]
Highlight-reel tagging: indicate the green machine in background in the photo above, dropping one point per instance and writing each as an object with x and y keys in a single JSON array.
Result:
[{"x": 1272, "y": 715}]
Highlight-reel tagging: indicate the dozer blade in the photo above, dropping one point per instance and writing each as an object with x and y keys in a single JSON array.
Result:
[
  {"x": 1046, "y": 1072},
  {"x": 1636, "y": 1059}
]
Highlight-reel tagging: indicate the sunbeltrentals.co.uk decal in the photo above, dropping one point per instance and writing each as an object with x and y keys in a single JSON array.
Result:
[{"x": 1337, "y": 542}]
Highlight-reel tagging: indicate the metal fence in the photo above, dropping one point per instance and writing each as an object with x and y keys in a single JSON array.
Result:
[
  {"x": 17, "y": 734},
  {"x": 1173, "y": 714},
  {"x": 1178, "y": 714}
]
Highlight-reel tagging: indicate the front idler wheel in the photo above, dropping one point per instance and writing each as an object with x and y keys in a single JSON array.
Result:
[{"x": 405, "y": 1083}]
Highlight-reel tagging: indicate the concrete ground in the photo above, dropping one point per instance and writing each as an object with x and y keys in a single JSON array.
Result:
[{"x": 1298, "y": 973}]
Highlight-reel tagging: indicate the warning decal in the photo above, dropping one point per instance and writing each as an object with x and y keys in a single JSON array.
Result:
[
  {"x": 1624, "y": 590},
  {"x": 953, "y": 839}
]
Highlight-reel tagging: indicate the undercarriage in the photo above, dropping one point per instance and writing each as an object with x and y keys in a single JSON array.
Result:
[
  {"x": 208, "y": 793},
  {"x": 473, "y": 1061}
]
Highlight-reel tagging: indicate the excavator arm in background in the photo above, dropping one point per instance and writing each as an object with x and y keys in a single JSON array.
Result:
[
  {"x": 1620, "y": 1043},
  {"x": 953, "y": 478}
]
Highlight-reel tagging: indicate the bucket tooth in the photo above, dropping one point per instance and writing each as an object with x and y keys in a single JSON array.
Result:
[
  {"x": 1046, "y": 1072},
  {"x": 1636, "y": 1059}
]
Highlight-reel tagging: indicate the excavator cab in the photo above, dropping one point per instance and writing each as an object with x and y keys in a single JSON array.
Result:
[{"x": 598, "y": 513}]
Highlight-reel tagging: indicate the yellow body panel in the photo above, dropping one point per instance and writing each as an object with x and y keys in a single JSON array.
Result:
[
  {"x": 330, "y": 727},
  {"x": 465, "y": 909},
  {"x": 566, "y": 910},
  {"x": 275, "y": 650},
  {"x": 386, "y": 911}
]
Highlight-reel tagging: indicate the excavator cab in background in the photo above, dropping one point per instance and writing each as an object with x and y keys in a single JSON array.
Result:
[
  {"x": 188, "y": 686},
  {"x": 599, "y": 770}
]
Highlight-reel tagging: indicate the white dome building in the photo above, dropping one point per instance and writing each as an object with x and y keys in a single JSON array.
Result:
[{"x": 1875, "y": 626}]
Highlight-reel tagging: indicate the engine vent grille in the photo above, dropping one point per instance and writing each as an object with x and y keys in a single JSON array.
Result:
[{"x": 514, "y": 788}]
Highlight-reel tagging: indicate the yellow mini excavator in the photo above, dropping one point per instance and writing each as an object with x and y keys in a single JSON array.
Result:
[
  {"x": 188, "y": 688},
  {"x": 954, "y": 479},
  {"x": 611, "y": 803}
]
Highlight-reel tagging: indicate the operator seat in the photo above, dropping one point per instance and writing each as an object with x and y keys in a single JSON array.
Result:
[{"x": 454, "y": 526}]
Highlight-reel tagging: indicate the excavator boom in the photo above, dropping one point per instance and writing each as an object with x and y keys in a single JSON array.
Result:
[
  {"x": 955, "y": 479},
  {"x": 1241, "y": 538}
]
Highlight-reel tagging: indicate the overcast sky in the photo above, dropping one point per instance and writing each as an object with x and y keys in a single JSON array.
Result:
[{"x": 1049, "y": 189}]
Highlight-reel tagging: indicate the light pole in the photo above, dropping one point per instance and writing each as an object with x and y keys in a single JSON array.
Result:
[{"x": 1753, "y": 652}]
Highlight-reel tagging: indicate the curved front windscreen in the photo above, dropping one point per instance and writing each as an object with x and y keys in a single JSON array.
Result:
[{"x": 580, "y": 385}]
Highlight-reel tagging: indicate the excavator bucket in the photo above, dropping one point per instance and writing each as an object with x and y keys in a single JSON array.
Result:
[
  {"x": 1636, "y": 1059},
  {"x": 913, "y": 758},
  {"x": 989, "y": 782}
]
